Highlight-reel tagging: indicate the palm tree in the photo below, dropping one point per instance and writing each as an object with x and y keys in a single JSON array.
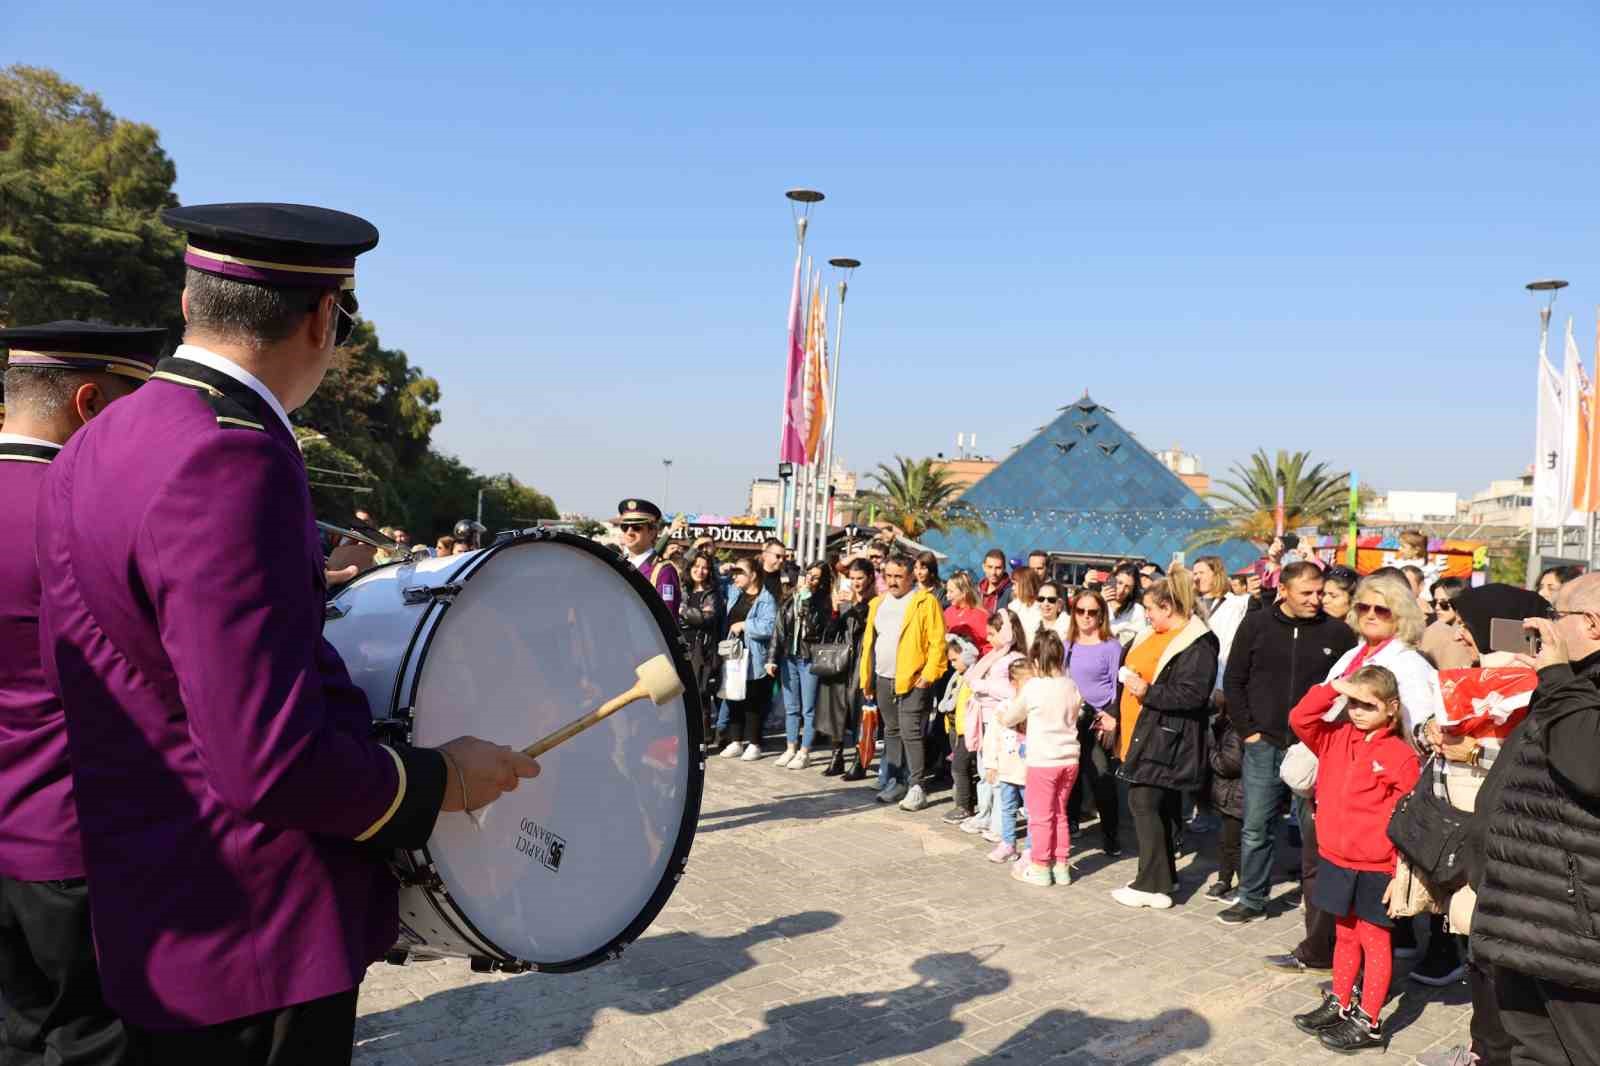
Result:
[
  {"x": 917, "y": 497},
  {"x": 1248, "y": 497}
]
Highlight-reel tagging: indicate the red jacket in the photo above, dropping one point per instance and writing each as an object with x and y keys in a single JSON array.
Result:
[{"x": 1360, "y": 778}]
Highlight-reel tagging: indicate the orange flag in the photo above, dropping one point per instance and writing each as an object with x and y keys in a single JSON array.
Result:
[{"x": 1586, "y": 469}]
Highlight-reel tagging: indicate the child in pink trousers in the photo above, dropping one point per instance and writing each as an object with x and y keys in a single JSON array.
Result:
[{"x": 1047, "y": 709}]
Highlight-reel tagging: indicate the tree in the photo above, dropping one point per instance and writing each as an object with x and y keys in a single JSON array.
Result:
[
  {"x": 917, "y": 498},
  {"x": 1248, "y": 498},
  {"x": 509, "y": 504},
  {"x": 81, "y": 195}
]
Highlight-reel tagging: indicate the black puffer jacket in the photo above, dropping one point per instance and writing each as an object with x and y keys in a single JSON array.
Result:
[
  {"x": 1171, "y": 736},
  {"x": 1227, "y": 768},
  {"x": 1539, "y": 899}
]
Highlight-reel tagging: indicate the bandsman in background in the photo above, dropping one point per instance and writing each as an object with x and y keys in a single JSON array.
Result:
[
  {"x": 60, "y": 375},
  {"x": 641, "y": 527},
  {"x": 237, "y": 814}
]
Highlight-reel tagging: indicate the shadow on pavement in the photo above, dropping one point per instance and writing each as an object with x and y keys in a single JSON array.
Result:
[
  {"x": 801, "y": 807},
  {"x": 535, "y": 1014},
  {"x": 871, "y": 1027}
]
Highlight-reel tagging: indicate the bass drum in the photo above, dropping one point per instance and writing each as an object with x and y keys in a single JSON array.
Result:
[{"x": 509, "y": 643}]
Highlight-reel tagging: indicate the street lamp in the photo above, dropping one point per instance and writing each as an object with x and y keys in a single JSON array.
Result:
[
  {"x": 1551, "y": 286},
  {"x": 845, "y": 268},
  {"x": 666, "y": 488},
  {"x": 800, "y": 201}
]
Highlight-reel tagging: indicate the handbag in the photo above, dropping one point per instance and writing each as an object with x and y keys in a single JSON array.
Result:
[
  {"x": 1429, "y": 832},
  {"x": 1299, "y": 770},
  {"x": 735, "y": 672},
  {"x": 730, "y": 648},
  {"x": 1409, "y": 893},
  {"x": 830, "y": 662}
]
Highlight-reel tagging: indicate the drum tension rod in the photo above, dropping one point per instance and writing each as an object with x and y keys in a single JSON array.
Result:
[{"x": 413, "y": 594}]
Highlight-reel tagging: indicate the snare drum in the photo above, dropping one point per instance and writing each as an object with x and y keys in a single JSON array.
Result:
[{"x": 509, "y": 643}]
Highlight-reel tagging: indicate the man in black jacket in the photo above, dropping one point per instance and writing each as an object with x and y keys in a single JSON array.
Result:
[
  {"x": 1277, "y": 656},
  {"x": 1537, "y": 921}
]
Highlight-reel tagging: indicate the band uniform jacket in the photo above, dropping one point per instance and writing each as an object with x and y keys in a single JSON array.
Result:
[
  {"x": 663, "y": 577},
  {"x": 38, "y": 823},
  {"x": 236, "y": 813}
]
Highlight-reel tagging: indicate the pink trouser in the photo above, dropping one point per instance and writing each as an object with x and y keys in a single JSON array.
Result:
[{"x": 1046, "y": 799}]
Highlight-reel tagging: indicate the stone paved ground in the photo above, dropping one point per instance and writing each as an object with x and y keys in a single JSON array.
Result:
[{"x": 816, "y": 926}]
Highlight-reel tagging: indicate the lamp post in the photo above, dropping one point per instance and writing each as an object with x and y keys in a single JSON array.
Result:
[
  {"x": 800, "y": 201},
  {"x": 666, "y": 487},
  {"x": 1551, "y": 286},
  {"x": 845, "y": 268}
]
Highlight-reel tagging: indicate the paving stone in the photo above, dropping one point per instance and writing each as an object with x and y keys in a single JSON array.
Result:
[{"x": 815, "y": 926}]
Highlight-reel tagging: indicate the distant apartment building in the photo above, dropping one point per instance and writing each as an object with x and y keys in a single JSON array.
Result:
[
  {"x": 1507, "y": 502},
  {"x": 1417, "y": 506},
  {"x": 766, "y": 495},
  {"x": 965, "y": 472},
  {"x": 1188, "y": 467}
]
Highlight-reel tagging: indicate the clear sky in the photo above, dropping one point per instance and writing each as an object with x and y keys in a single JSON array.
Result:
[{"x": 1238, "y": 225}]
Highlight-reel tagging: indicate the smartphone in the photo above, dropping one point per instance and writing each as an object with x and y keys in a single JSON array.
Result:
[{"x": 1507, "y": 634}]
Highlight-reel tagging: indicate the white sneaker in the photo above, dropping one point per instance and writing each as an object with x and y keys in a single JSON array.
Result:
[
  {"x": 891, "y": 792},
  {"x": 800, "y": 760},
  {"x": 732, "y": 751},
  {"x": 1132, "y": 897},
  {"x": 783, "y": 760},
  {"x": 976, "y": 824},
  {"x": 752, "y": 752},
  {"x": 915, "y": 800}
]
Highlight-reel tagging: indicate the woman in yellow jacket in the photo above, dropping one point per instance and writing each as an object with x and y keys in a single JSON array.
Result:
[{"x": 902, "y": 655}]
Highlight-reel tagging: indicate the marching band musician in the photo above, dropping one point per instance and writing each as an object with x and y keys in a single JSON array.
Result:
[
  {"x": 60, "y": 375},
  {"x": 641, "y": 526},
  {"x": 236, "y": 812}
]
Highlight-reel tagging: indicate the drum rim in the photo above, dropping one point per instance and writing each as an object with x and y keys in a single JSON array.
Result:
[{"x": 678, "y": 860}]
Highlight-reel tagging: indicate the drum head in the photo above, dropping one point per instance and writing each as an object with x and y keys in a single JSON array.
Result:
[{"x": 578, "y": 861}]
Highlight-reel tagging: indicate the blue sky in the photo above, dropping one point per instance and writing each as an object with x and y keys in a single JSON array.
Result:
[{"x": 1239, "y": 225}]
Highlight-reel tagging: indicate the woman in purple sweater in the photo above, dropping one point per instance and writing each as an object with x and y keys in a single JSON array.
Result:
[{"x": 1093, "y": 658}]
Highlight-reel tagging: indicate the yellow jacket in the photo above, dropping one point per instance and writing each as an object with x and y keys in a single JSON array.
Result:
[{"x": 921, "y": 648}]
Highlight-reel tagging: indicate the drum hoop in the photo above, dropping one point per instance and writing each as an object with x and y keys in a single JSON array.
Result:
[{"x": 678, "y": 861}]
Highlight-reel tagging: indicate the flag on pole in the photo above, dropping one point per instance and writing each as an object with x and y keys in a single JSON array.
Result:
[
  {"x": 816, "y": 373},
  {"x": 1586, "y": 491},
  {"x": 1572, "y": 388},
  {"x": 791, "y": 447},
  {"x": 1548, "y": 506}
]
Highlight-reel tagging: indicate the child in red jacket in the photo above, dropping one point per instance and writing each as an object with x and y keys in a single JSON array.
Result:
[{"x": 1364, "y": 767}]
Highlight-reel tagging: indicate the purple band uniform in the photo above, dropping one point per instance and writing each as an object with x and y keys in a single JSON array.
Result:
[
  {"x": 236, "y": 813},
  {"x": 668, "y": 584}
]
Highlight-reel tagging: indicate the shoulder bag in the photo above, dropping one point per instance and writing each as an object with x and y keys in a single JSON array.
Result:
[{"x": 1431, "y": 833}]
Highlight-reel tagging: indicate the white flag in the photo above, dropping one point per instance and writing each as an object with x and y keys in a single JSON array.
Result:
[
  {"x": 1548, "y": 509},
  {"x": 1571, "y": 425}
]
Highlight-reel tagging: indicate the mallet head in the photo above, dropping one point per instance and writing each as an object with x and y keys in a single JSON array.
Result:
[{"x": 659, "y": 679}]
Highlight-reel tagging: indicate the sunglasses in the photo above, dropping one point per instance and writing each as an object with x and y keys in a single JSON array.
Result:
[
  {"x": 1442, "y": 605},
  {"x": 1086, "y": 612},
  {"x": 1049, "y": 599},
  {"x": 1374, "y": 608}
]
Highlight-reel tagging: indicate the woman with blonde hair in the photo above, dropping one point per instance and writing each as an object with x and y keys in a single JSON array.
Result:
[
  {"x": 1389, "y": 625},
  {"x": 964, "y": 615},
  {"x": 1167, "y": 680}
]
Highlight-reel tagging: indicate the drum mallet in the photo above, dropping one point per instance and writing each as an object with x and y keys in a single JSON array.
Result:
[{"x": 658, "y": 680}]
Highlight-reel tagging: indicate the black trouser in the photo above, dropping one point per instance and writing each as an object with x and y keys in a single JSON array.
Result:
[
  {"x": 50, "y": 987},
  {"x": 1548, "y": 1024},
  {"x": 318, "y": 1033},
  {"x": 1489, "y": 1040},
  {"x": 905, "y": 722},
  {"x": 747, "y": 717},
  {"x": 964, "y": 770},
  {"x": 1097, "y": 778},
  {"x": 1156, "y": 821},
  {"x": 1316, "y": 950},
  {"x": 1228, "y": 847}
]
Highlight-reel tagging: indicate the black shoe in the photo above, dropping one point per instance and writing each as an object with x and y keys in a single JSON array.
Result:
[
  {"x": 1074, "y": 828},
  {"x": 1325, "y": 1017},
  {"x": 1438, "y": 972},
  {"x": 1292, "y": 963},
  {"x": 855, "y": 773},
  {"x": 1221, "y": 892},
  {"x": 1356, "y": 1032},
  {"x": 957, "y": 815},
  {"x": 835, "y": 765},
  {"x": 1238, "y": 914}
]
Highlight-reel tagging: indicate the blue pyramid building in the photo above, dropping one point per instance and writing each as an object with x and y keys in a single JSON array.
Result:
[{"x": 1084, "y": 486}]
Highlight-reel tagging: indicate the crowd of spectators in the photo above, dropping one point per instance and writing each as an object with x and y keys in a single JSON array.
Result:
[{"x": 1232, "y": 715}]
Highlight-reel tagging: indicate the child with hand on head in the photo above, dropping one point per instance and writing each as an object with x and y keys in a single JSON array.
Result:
[
  {"x": 1047, "y": 709},
  {"x": 1364, "y": 767}
]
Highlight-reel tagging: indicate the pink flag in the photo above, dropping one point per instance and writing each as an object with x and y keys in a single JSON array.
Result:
[{"x": 792, "y": 445}]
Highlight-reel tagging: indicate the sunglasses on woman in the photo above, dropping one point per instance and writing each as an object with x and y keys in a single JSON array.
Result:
[
  {"x": 1049, "y": 599},
  {"x": 1374, "y": 608},
  {"x": 1086, "y": 612}
]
